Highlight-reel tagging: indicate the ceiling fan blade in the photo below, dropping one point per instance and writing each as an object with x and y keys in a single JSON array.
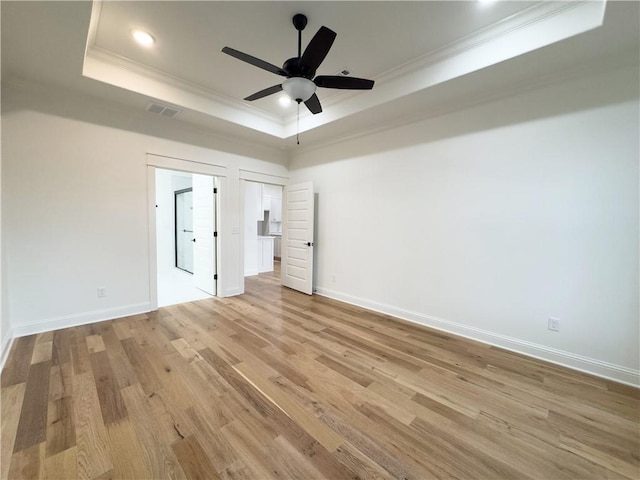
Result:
[
  {"x": 264, "y": 93},
  {"x": 313, "y": 104},
  {"x": 318, "y": 48},
  {"x": 345, "y": 83},
  {"x": 256, "y": 62}
]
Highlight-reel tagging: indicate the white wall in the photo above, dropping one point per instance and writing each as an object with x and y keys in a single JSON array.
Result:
[
  {"x": 74, "y": 200},
  {"x": 487, "y": 221}
]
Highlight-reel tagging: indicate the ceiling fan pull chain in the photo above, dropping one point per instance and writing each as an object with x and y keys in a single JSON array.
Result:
[{"x": 298, "y": 126}]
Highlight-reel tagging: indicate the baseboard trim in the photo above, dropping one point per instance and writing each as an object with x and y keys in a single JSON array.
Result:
[
  {"x": 6, "y": 348},
  {"x": 581, "y": 363},
  {"x": 80, "y": 319}
]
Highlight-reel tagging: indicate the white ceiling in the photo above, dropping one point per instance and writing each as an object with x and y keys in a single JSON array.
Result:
[{"x": 426, "y": 57}]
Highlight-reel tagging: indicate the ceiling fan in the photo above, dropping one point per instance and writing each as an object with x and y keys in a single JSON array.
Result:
[{"x": 300, "y": 71}]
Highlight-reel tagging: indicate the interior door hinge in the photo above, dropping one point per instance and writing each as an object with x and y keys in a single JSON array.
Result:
[
  {"x": 215, "y": 276},
  {"x": 215, "y": 190},
  {"x": 215, "y": 234}
]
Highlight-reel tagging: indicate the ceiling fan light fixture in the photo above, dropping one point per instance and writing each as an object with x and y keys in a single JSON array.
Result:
[
  {"x": 284, "y": 101},
  {"x": 299, "y": 89},
  {"x": 143, "y": 38}
]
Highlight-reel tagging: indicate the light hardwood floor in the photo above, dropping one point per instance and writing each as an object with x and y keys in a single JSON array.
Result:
[{"x": 276, "y": 384}]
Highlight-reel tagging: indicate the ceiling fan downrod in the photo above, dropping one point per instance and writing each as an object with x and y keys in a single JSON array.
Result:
[{"x": 299, "y": 21}]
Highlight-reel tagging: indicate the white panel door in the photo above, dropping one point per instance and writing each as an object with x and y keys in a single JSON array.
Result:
[
  {"x": 297, "y": 237},
  {"x": 204, "y": 226}
]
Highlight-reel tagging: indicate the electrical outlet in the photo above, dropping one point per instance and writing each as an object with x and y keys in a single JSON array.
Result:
[
  {"x": 554, "y": 324},
  {"x": 102, "y": 292}
]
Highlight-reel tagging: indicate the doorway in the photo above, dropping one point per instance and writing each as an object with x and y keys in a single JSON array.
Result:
[
  {"x": 186, "y": 236},
  {"x": 262, "y": 229}
]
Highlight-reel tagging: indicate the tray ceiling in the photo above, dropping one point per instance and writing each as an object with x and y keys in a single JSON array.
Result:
[{"x": 405, "y": 46}]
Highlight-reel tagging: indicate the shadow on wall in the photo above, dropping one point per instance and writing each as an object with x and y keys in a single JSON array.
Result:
[
  {"x": 452, "y": 117},
  {"x": 20, "y": 94}
]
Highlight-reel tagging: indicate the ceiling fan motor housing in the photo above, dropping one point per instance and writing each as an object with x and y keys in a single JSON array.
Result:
[{"x": 296, "y": 68}]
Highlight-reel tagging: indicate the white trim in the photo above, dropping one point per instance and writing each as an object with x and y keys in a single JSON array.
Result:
[
  {"x": 75, "y": 320},
  {"x": 172, "y": 163},
  {"x": 94, "y": 22},
  {"x": 224, "y": 232},
  {"x": 260, "y": 177},
  {"x": 581, "y": 363},
  {"x": 6, "y": 348},
  {"x": 152, "y": 233},
  {"x": 242, "y": 190}
]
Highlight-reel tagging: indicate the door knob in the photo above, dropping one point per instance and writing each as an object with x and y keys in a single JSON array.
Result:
[
  {"x": 309, "y": 244},
  {"x": 193, "y": 240}
]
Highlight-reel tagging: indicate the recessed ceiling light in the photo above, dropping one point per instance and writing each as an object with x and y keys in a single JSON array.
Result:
[
  {"x": 284, "y": 100},
  {"x": 143, "y": 38}
]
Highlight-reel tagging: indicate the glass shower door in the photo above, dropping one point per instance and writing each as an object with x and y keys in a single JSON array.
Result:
[{"x": 184, "y": 229}]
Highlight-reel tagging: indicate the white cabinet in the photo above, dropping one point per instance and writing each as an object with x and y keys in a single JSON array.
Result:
[
  {"x": 275, "y": 214},
  {"x": 265, "y": 254},
  {"x": 272, "y": 201}
]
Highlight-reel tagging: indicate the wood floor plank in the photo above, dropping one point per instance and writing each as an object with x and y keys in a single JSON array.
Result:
[
  {"x": 111, "y": 404},
  {"x": 324, "y": 435},
  {"x": 207, "y": 431},
  {"x": 141, "y": 366},
  {"x": 277, "y": 384},
  {"x": 29, "y": 463},
  {"x": 92, "y": 443},
  {"x": 42, "y": 352},
  {"x": 16, "y": 369},
  {"x": 10, "y": 405},
  {"x": 250, "y": 443},
  {"x": 193, "y": 459},
  {"x": 32, "y": 426},
  {"x": 61, "y": 348},
  {"x": 61, "y": 431},
  {"x": 61, "y": 381},
  {"x": 80, "y": 353},
  {"x": 62, "y": 465},
  {"x": 158, "y": 455},
  {"x": 127, "y": 454},
  {"x": 95, "y": 343}
]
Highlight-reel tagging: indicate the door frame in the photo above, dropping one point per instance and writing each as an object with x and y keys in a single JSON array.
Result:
[{"x": 170, "y": 163}]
